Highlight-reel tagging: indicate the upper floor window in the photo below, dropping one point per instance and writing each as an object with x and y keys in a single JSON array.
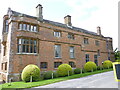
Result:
[
  {"x": 98, "y": 52},
  {"x": 6, "y": 26},
  {"x": 72, "y": 52},
  {"x": 28, "y": 27},
  {"x": 71, "y": 36},
  {"x": 97, "y": 43},
  {"x": 86, "y": 41},
  {"x": 27, "y": 45},
  {"x": 87, "y": 57},
  {"x": 57, "y": 34},
  {"x": 57, "y": 51}
]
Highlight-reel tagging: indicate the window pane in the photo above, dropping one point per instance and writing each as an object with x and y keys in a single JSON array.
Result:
[
  {"x": 35, "y": 42},
  {"x": 57, "y": 51},
  {"x": 87, "y": 57},
  {"x": 35, "y": 28},
  {"x": 72, "y": 64},
  {"x": 35, "y": 49},
  {"x": 57, "y": 34},
  {"x": 32, "y": 29},
  {"x": 20, "y": 41},
  {"x": 56, "y": 64},
  {"x": 27, "y": 48},
  {"x": 19, "y": 48},
  {"x": 6, "y": 27},
  {"x": 24, "y": 26},
  {"x": 31, "y": 49},
  {"x": 31, "y": 42},
  {"x": 20, "y": 26},
  {"x": 71, "y": 52},
  {"x": 28, "y": 27},
  {"x": 43, "y": 65},
  {"x": 23, "y": 48}
]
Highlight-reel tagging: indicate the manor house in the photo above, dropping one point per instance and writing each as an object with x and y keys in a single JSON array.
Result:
[{"x": 34, "y": 40}]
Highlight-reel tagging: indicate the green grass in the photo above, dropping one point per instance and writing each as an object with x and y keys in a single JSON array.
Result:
[{"x": 22, "y": 84}]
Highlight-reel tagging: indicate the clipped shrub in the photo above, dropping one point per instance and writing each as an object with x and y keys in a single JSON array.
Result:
[
  {"x": 64, "y": 70},
  {"x": 78, "y": 71},
  {"x": 99, "y": 67},
  {"x": 30, "y": 70},
  {"x": 117, "y": 60},
  {"x": 107, "y": 64},
  {"x": 48, "y": 75},
  {"x": 90, "y": 66}
]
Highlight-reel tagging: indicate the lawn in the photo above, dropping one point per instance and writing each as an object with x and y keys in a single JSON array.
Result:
[{"x": 22, "y": 84}]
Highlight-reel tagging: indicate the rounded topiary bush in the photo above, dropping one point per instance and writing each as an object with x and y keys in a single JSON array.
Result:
[
  {"x": 30, "y": 70},
  {"x": 107, "y": 64},
  {"x": 90, "y": 66},
  {"x": 48, "y": 75},
  {"x": 64, "y": 70}
]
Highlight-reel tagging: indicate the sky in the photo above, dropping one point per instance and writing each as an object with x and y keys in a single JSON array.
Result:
[{"x": 86, "y": 14}]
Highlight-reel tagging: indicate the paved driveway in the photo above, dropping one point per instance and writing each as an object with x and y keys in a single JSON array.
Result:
[{"x": 102, "y": 80}]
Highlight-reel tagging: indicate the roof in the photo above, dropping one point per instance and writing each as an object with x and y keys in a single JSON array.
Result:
[{"x": 56, "y": 23}]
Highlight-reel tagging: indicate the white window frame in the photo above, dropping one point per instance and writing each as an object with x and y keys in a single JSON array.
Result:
[
  {"x": 72, "y": 52},
  {"x": 57, "y": 34},
  {"x": 58, "y": 51}
]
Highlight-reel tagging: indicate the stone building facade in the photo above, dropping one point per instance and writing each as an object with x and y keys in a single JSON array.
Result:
[{"x": 34, "y": 40}]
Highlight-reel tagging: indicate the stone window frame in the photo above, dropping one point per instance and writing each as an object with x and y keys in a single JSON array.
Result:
[
  {"x": 98, "y": 52},
  {"x": 28, "y": 43},
  {"x": 86, "y": 41},
  {"x": 97, "y": 43},
  {"x": 71, "y": 36},
  {"x": 59, "y": 51},
  {"x": 72, "y": 64},
  {"x": 24, "y": 26},
  {"x": 72, "y": 52},
  {"x": 4, "y": 66},
  {"x": 57, "y": 34},
  {"x": 87, "y": 57},
  {"x": 56, "y": 64},
  {"x": 96, "y": 59},
  {"x": 43, "y": 65}
]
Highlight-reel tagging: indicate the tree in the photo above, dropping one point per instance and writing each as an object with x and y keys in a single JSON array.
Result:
[{"x": 117, "y": 54}]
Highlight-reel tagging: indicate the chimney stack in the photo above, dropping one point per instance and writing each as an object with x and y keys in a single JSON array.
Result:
[
  {"x": 99, "y": 30},
  {"x": 39, "y": 12},
  {"x": 67, "y": 20}
]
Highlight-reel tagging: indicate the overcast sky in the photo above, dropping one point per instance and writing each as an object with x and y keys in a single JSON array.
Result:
[{"x": 86, "y": 14}]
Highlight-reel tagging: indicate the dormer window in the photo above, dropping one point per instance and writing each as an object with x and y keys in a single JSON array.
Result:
[{"x": 28, "y": 27}]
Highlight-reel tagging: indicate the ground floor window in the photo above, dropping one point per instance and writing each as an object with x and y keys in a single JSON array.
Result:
[
  {"x": 72, "y": 64},
  {"x": 4, "y": 66},
  {"x": 96, "y": 59},
  {"x": 43, "y": 65},
  {"x": 87, "y": 57},
  {"x": 56, "y": 64}
]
